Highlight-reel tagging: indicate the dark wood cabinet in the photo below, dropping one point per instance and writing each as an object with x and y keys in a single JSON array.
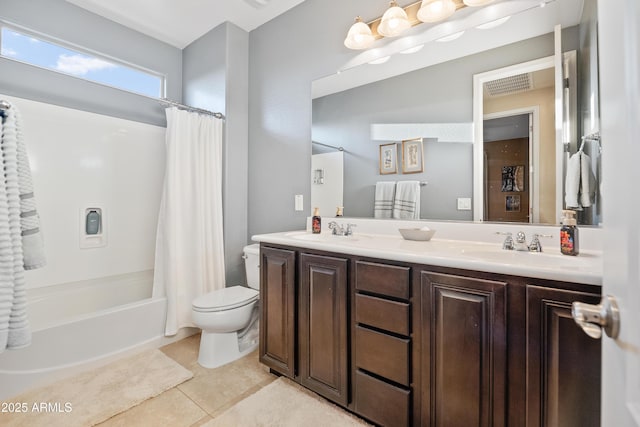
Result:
[
  {"x": 563, "y": 363},
  {"x": 381, "y": 342},
  {"x": 407, "y": 344},
  {"x": 463, "y": 351},
  {"x": 278, "y": 305},
  {"x": 323, "y": 326}
]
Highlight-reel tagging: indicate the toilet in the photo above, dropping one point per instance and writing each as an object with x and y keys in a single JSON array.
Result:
[{"x": 229, "y": 317}]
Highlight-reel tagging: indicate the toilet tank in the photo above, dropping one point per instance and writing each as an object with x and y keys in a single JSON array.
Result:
[{"x": 252, "y": 265}]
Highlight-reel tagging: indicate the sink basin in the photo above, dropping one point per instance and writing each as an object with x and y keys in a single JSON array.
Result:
[{"x": 538, "y": 259}]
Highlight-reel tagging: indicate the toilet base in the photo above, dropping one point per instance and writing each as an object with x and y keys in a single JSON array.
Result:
[{"x": 217, "y": 349}]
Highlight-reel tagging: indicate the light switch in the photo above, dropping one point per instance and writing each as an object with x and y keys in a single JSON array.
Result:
[
  {"x": 464, "y": 203},
  {"x": 299, "y": 202}
]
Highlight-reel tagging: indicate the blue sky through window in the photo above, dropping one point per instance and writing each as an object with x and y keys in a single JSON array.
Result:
[{"x": 38, "y": 52}]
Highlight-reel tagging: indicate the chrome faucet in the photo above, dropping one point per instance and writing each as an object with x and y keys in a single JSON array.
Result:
[
  {"x": 520, "y": 243},
  {"x": 340, "y": 230},
  {"x": 507, "y": 245},
  {"x": 535, "y": 245}
]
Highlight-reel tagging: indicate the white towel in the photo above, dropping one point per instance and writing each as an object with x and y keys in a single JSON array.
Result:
[
  {"x": 383, "y": 201},
  {"x": 587, "y": 182},
  {"x": 406, "y": 204},
  {"x": 14, "y": 327},
  {"x": 572, "y": 181},
  {"x": 580, "y": 183}
]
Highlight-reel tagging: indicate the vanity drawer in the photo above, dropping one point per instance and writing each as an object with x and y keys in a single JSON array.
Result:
[
  {"x": 384, "y": 314},
  {"x": 382, "y": 403},
  {"x": 383, "y": 355},
  {"x": 389, "y": 280}
]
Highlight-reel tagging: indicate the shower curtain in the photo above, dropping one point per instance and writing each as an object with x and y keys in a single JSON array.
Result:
[{"x": 189, "y": 243}]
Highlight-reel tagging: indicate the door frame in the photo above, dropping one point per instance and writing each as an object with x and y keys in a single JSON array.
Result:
[
  {"x": 478, "y": 117},
  {"x": 534, "y": 154}
]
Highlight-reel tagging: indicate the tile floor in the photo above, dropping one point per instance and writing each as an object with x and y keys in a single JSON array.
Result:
[{"x": 198, "y": 400}]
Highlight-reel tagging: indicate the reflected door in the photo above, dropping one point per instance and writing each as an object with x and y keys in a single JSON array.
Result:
[{"x": 507, "y": 164}]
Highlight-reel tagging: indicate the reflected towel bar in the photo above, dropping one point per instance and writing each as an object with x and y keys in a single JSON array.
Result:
[
  {"x": 422, "y": 183},
  {"x": 327, "y": 145}
]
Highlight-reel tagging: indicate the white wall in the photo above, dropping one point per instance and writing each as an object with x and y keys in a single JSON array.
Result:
[{"x": 80, "y": 159}]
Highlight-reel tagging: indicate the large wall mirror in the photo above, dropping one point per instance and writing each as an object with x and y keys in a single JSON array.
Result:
[{"x": 484, "y": 104}]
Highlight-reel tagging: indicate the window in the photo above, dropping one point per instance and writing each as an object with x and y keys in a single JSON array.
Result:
[{"x": 33, "y": 50}]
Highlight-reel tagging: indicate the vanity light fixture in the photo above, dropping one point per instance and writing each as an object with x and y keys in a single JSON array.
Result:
[
  {"x": 493, "y": 24},
  {"x": 394, "y": 21},
  {"x": 436, "y": 10},
  {"x": 359, "y": 36}
]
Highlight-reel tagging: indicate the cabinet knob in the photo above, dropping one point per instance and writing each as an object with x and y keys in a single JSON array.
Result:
[{"x": 593, "y": 318}]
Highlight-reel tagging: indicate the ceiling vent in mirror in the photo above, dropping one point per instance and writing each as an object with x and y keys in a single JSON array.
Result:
[{"x": 509, "y": 85}]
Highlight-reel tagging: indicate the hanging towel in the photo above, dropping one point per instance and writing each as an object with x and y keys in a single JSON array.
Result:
[
  {"x": 18, "y": 225},
  {"x": 587, "y": 181},
  {"x": 32, "y": 240},
  {"x": 406, "y": 204},
  {"x": 383, "y": 202},
  {"x": 580, "y": 183},
  {"x": 572, "y": 181}
]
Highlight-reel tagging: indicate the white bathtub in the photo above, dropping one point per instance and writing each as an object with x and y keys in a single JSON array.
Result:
[{"x": 81, "y": 325}]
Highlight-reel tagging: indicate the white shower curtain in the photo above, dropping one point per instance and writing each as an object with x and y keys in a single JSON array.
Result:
[{"x": 189, "y": 244}]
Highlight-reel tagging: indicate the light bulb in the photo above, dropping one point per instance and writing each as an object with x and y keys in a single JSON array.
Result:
[
  {"x": 359, "y": 36},
  {"x": 394, "y": 21}
]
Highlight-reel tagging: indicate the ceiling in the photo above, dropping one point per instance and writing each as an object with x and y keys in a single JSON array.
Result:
[{"x": 181, "y": 22}]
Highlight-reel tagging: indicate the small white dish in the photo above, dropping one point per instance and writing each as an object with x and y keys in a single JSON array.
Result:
[{"x": 416, "y": 234}]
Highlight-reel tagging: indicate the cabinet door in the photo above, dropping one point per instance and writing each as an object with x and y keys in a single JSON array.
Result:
[
  {"x": 323, "y": 326},
  {"x": 463, "y": 351},
  {"x": 563, "y": 363},
  {"x": 278, "y": 304}
]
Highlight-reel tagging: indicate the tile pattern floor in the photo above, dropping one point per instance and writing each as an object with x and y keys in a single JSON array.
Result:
[{"x": 198, "y": 400}]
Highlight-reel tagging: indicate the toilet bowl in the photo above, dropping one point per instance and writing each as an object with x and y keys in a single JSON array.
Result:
[{"x": 228, "y": 317}]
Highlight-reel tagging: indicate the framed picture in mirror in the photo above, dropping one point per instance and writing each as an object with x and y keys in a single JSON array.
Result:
[
  {"x": 412, "y": 156},
  {"x": 388, "y": 159},
  {"x": 512, "y": 203}
]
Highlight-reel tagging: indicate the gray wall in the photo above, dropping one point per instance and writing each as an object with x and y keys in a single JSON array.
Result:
[
  {"x": 285, "y": 55},
  {"x": 282, "y": 67},
  {"x": 67, "y": 22},
  {"x": 215, "y": 78}
]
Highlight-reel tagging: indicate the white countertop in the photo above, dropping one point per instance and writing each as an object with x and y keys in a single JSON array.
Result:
[{"x": 470, "y": 255}]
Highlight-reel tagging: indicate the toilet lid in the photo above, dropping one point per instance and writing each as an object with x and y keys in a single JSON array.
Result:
[{"x": 225, "y": 299}]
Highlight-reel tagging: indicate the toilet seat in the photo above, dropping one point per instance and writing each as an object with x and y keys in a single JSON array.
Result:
[{"x": 225, "y": 299}]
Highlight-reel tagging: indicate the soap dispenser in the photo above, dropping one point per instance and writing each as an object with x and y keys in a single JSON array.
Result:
[
  {"x": 316, "y": 221},
  {"x": 569, "y": 234}
]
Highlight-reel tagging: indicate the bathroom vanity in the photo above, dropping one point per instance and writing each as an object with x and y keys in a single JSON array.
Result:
[{"x": 432, "y": 333}]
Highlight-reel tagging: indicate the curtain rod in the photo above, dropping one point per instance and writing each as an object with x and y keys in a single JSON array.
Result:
[
  {"x": 194, "y": 109},
  {"x": 327, "y": 145}
]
